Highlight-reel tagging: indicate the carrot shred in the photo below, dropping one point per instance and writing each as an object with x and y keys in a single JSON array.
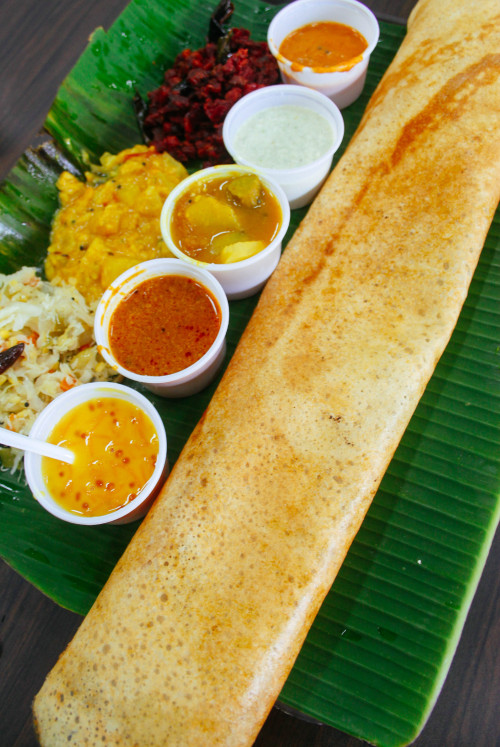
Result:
[{"x": 67, "y": 383}]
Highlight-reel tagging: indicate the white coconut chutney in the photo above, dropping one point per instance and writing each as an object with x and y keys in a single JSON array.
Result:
[{"x": 283, "y": 137}]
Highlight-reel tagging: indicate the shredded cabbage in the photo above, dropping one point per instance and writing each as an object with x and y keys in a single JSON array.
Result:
[{"x": 56, "y": 326}]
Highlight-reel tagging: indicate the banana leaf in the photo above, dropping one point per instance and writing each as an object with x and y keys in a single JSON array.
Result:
[{"x": 379, "y": 650}]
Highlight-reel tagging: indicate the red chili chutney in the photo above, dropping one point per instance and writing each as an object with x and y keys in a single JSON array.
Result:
[{"x": 165, "y": 325}]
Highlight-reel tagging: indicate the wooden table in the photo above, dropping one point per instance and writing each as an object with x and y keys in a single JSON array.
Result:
[{"x": 40, "y": 40}]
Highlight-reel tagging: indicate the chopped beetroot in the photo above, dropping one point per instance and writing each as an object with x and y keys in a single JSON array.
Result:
[{"x": 184, "y": 116}]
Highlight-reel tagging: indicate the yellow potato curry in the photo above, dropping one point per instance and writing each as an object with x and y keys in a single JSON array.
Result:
[
  {"x": 111, "y": 221},
  {"x": 223, "y": 219}
]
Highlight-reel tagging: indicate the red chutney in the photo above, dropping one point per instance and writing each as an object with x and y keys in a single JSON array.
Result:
[
  {"x": 164, "y": 325},
  {"x": 324, "y": 44}
]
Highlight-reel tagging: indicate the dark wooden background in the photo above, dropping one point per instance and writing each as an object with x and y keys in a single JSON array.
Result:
[{"x": 40, "y": 40}]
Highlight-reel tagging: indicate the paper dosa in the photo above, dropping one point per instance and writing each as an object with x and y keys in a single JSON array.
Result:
[{"x": 193, "y": 636}]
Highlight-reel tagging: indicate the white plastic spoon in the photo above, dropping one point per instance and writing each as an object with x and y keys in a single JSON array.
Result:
[{"x": 26, "y": 443}]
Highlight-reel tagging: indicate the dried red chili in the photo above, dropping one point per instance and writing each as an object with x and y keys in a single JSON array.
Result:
[
  {"x": 9, "y": 357},
  {"x": 184, "y": 116}
]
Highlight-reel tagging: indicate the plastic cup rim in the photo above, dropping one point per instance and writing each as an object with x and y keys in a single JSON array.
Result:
[
  {"x": 301, "y": 91},
  {"x": 230, "y": 267},
  {"x": 324, "y": 70},
  {"x": 33, "y": 462},
  {"x": 103, "y": 316}
]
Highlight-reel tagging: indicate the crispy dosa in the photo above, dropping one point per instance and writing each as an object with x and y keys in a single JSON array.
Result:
[{"x": 194, "y": 634}]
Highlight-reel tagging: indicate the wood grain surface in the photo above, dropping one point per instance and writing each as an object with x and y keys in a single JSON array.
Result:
[{"x": 40, "y": 40}]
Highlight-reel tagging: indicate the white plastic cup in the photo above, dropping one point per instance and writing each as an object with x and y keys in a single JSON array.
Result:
[
  {"x": 343, "y": 87},
  {"x": 191, "y": 379},
  {"x": 47, "y": 421},
  {"x": 300, "y": 184},
  {"x": 239, "y": 279}
]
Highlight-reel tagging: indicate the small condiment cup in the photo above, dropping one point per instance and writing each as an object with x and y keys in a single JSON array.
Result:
[
  {"x": 45, "y": 424},
  {"x": 300, "y": 183},
  {"x": 342, "y": 86},
  {"x": 246, "y": 277},
  {"x": 191, "y": 379}
]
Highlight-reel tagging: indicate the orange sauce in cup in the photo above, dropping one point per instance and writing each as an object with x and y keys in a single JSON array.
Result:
[
  {"x": 225, "y": 219},
  {"x": 164, "y": 325},
  {"x": 116, "y": 448},
  {"x": 323, "y": 45}
]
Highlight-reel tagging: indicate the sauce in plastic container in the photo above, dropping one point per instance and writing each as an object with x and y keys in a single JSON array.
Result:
[
  {"x": 323, "y": 45},
  {"x": 164, "y": 325},
  {"x": 116, "y": 447},
  {"x": 225, "y": 219},
  {"x": 284, "y": 137}
]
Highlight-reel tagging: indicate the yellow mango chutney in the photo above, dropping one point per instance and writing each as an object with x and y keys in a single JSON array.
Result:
[
  {"x": 111, "y": 221},
  {"x": 116, "y": 447}
]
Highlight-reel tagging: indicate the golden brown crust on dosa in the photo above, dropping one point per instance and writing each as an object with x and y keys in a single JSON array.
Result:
[{"x": 193, "y": 636}]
